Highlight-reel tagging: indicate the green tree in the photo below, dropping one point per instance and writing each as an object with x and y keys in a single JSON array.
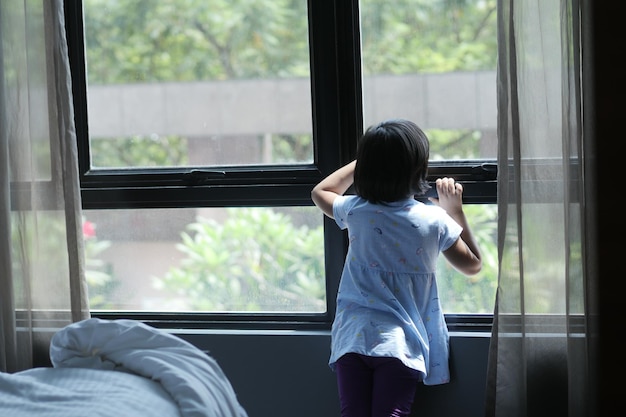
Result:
[
  {"x": 413, "y": 36},
  {"x": 40, "y": 238},
  {"x": 100, "y": 280},
  {"x": 256, "y": 260},
  {"x": 474, "y": 294},
  {"x": 147, "y": 41},
  {"x": 139, "y": 151}
]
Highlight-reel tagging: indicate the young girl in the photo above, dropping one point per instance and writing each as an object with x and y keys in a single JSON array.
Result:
[{"x": 389, "y": 331}]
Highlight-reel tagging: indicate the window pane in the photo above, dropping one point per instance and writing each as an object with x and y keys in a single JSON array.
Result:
[
  {"x": 206, "y": 260},
  {"x": 433, "y": 62},
  {"x": 198, "y": 83},
  {"x": 459, "y": 293}
]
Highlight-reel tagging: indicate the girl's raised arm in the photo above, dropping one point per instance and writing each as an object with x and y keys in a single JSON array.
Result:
[
  {"x": 334, "y": 185},
  {"x": 464, "y": 254}
]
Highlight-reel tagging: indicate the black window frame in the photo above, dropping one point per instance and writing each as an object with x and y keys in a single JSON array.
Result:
[{"x": 337, "y": 120}]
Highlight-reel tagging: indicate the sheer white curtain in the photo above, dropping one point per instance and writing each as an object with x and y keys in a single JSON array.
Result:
[
  {"x": 540, "y": 357},
  {"x": 42, "y": 285}
]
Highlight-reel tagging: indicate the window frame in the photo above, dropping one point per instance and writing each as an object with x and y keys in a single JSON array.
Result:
[{"x": 337, "y": 120}]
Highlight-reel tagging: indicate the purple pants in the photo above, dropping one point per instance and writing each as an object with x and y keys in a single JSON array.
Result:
[{"x": 375, "y": 387}]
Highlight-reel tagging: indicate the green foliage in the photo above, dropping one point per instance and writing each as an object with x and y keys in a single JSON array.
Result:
[
  {"x": 100, "y": 280},
  {"x": 256, "y": 260},
  {"x": 38, "y": 244},
  {"x": 412, "y": 36},
  {"x": 147, "y": 41},
  {"x": 292, "y": 148},
  {"x": 144, "y": 41},
  {"x": 139, "y": 151},
  {"x": 475, "y": 294},
  {"x": 453, "y": 144}
]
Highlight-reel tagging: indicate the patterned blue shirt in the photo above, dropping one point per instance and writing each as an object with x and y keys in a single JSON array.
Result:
[{"x": 388, "y": 302}]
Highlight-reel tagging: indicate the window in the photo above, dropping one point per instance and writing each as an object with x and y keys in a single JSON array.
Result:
[{"x": 203, "y": 125}]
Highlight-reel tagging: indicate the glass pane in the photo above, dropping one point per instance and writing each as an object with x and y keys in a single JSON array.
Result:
[
  {"x": 198, "y": 83},
  {"x": 461, "y": 294},
  {"x": 433, "y": 62},
  {"x": 206, "y": 260}
]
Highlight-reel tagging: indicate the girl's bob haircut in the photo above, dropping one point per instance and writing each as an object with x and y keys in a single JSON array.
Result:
[{"x": 391, "y": 162}]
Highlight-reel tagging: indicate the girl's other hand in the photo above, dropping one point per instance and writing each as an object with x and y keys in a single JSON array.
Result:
[{"x": 450, "y": 195}]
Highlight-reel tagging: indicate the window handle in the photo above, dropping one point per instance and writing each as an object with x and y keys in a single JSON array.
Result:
[
  {"x": 486, "y": 171},
  {"x": 199, "y": 176}
]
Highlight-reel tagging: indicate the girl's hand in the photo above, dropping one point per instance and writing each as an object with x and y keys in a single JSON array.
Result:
[{"x": 450, "y": 195}]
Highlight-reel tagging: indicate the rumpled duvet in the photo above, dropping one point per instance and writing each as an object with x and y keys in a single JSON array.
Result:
[{"x": 117, "y": 368}]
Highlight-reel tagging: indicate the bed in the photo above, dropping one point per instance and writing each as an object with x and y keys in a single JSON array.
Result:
[{"x": 120, "y": 368}]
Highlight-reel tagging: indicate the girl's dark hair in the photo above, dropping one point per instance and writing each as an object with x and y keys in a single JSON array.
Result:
[{"x": 391, "y": 162}]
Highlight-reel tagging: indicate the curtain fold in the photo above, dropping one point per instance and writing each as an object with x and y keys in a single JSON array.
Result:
[
  {"x": 539, "y": 363},
  {"x": 42, "y": 284}
]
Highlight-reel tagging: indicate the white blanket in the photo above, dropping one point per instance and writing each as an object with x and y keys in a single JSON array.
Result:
[
  {"x": 193, "y": 379},
  {"x": 79, "y": 392}
]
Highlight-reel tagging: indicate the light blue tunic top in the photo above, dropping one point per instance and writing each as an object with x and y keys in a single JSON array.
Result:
[{"x": 388, "y": 303}]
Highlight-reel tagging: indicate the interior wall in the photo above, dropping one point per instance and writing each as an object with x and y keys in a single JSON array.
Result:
[{"x": 286, "y": 374}]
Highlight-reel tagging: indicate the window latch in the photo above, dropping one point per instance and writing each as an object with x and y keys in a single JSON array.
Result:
[
  {"x": 199, "y": 176},
  {"x": 485, "y": 171}
]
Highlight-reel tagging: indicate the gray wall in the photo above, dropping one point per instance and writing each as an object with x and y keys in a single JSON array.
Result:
[
  {"x": 285, "y": 374},
  {"x": 457, "y": 100}
]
